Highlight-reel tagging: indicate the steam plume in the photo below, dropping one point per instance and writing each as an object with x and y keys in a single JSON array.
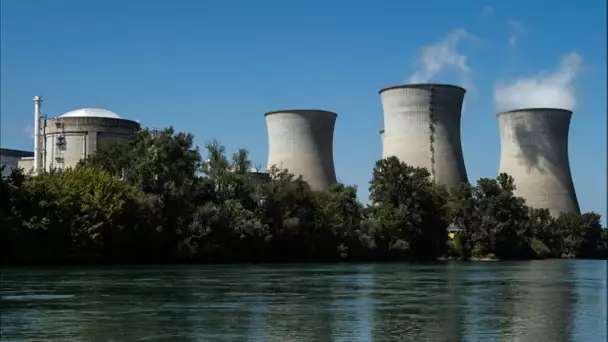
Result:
[
  {"x": 552, "y": 90},
  {"x": 443, "y": 55}
]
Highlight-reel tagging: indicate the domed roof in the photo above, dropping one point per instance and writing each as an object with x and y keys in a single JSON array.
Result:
[{"x": 90, "y": 113}]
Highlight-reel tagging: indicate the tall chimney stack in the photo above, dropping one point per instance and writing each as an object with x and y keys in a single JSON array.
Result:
[{"x": 37, "y": 116}]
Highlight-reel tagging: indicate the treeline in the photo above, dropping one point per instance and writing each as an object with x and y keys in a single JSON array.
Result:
[{"x": 154, "y": 199}]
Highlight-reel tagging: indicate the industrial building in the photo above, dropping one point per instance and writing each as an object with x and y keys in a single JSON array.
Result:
[
  {"x": 422, "y": 129},
  {"x": 301, "y": 141},
  {"x": 9, "y": 159},
  {"x": 534, "y": 151},
  {"x": 62, "y": 142}
]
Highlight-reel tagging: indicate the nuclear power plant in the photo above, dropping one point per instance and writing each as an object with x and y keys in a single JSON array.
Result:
[
  {"x": 534, "y": 151},
  {"x": 62, "y": 142},
  {"x": 422, "y": 128},
  {"x": 301, "y": 141}
]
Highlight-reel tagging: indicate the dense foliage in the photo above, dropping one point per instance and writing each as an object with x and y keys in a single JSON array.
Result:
[{"x": 153, "y": 199}]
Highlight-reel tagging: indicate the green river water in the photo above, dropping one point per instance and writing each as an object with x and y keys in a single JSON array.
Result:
[{"x": 553, "y": 300}]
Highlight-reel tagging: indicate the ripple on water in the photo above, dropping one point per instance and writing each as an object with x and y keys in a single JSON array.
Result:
[
  {"x": 36, "y": 297},
  {"x": 538, "y": 300}
]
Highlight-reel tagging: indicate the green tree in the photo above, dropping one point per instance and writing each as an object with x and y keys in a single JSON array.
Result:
[
  {"x": 153, "y": 199},
  {"x": 467, "y": 218},
  {"x": 340, "y": 215},
  {"x": 164, "y": 165},
  {"x": 603, "y": 244},
  {"x": 288, "y": 207},
  {"x": 411, "y": 209},
  {"x": 226, "y": 224},
  {"x": 544, "y": 242},
  {"x": 73, "y": 215},
  {"x": 492, "y": 219},
  {"x": 580, "y": 234}
]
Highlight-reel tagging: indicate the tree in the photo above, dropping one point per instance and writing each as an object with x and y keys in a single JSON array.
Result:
[
  {"x": 164, "y": 165},
  {"x": 467, "y": 218},
  {"x": 492, "y": 219},
  {"x": 580, "y": 234},
  {"x": 226, "y": 223},
  {"x": 411, "y": 209},
  {"x": 340, "y": 215},
  {"x": 153, "y": 199},
  {"x": 288, "y": 208},
  {"x": 78, "y": 214},
  {"x": 544, "y": 242}
]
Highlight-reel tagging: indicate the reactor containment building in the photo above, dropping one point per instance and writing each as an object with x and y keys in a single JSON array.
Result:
[
  {"x": 63, "y": 141},
  {"x": 75, "y": 135},
  {"x": 422, "y": 129},
  {"x": 301, "y": 141},
  {"x": 534, "y": 151}
]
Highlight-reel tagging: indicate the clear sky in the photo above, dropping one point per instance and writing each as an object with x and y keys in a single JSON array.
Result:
[{"x": 214, "y": 68}]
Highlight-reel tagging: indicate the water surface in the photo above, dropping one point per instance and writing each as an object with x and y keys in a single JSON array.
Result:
[{"x": 556, "y": 300}]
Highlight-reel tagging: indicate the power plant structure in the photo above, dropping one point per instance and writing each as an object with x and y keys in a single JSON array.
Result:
[
  {"x": 534, "y": 151},
  {"x": 301, "y": 141},
  {"x": 422, "y": 129},
  {"x": 62, "y": 142}
]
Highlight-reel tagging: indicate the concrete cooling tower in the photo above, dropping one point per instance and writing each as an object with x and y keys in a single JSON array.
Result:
[
  {"x": 301, "y": 141},
  {"x": 534, "y": 151},
  {"x": 422, "y": 128}
]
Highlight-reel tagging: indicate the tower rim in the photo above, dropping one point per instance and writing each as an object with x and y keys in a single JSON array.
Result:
[
  {"x": 421, "y": 85},
  {"x": 299, "y": 111},
  {"x": 535, "y": 109}
]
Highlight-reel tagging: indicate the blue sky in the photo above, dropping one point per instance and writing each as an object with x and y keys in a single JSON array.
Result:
[{"x": 214, "y": 67}]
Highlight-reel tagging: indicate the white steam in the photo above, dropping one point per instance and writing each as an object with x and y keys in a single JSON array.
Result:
[
  {"x": 443, "y": 55},
  {"x": 553, "y": 90}
]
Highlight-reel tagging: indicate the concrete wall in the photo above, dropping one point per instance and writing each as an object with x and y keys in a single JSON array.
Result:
[
  {"x": 534, "y": 151},
  {"x": 9, "y": 158},
  {"x": 301, "y": 141},
  {"x": 82, "y": 137},
  {"x": 27, "y": 164},
  {"x": 422, "y": 128}
]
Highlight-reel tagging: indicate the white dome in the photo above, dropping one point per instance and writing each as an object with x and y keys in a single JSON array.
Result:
[{"x": 90, "y": 113}]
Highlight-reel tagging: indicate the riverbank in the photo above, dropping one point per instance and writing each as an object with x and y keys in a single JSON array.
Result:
[
  {"x": 271, "y": 262},
  {"x": 126, "y": 205}
]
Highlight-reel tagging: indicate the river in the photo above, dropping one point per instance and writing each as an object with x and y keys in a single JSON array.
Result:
[{"x": 553, "y": 300}]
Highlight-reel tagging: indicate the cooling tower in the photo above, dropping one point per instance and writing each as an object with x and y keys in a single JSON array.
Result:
[
  {"x": 422, "y": 128},
  {"x": 301, "y": 141},
  {"x": 534, "y": 151}
]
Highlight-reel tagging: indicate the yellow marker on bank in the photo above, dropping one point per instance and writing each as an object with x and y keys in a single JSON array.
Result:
[{"x": 451, "y": 236}]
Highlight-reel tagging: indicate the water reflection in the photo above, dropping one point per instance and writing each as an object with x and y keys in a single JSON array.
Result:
[
  {"x": 589, "y": 289},
  {"x": 525, "y": 301},
  {"x": 419, "y": 303}
]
